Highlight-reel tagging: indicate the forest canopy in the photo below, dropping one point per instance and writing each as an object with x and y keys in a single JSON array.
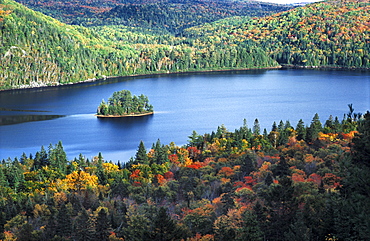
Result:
[
  {"x": 308, "y": 182},
  {"x": 123, "y": 103}
]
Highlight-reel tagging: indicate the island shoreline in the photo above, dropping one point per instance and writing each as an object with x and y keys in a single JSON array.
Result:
[{"x": 123, "y": 116}]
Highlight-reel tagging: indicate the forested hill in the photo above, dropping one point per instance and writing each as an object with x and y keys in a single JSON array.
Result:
[
  {"x": 176, "y": 15},
  {"x": 330, "y": 33},
  {"x": 37, "y": 50},
  {"x": 169, "y": 15}
]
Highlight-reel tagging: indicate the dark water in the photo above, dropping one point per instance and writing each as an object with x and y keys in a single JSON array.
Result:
[{"x": 182, "y": 103}]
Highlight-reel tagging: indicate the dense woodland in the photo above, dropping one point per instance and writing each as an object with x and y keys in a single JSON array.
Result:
[
  {"x": 37, "y": 50},
  {"x": 159, "y": 15},
  {"x": 330, "y": 33},
  {"x": 308, "y": 182},
  {"x": 123, "y": 103}
]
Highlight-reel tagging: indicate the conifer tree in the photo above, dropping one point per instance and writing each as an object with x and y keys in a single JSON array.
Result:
[
  {"x": 58, "y": 157},
  {"x": 250, "y": 230},
  {"x": 64, "y": 222},
  {"x": 102, "y": 226},
  {"x": 314, "y": 129},
  {"x": 100, "y": 170},
  {"x": 84, "y": 226},
  {"x": 256, "y": 127},
  {"x": 141, "y": 155},
  {"x": 301, "y": 130},
  {"x": 164, "y": 228}
]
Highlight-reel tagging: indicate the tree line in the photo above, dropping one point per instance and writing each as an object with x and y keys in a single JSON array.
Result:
[{"x": 308, "y": 182}]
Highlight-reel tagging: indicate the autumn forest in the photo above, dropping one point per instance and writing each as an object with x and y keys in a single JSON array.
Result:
[
  {"x": 303, "y": 182},
  {"x": 293, "y": 181}
]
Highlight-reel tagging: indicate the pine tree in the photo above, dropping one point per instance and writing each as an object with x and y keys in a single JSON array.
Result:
[
  {"x": 103, "y": 180},
  {"x": 141, "y": 155},
  {"x": 102, "y": 226},
  {"x": 361, "y": 147},
  {"x": 58, "y": 158},
  {"x": 64, "y": 222},
  {"x": 314, "y": 129},
  {"x": 41, "y": 159},
  {"x": 164, "y": 228},
  {"x": 256, "y": 127},
  {"x": 250, "y": 230},
  {"x": 301, "y": 130},
  {"x": 84, "y": 226}
]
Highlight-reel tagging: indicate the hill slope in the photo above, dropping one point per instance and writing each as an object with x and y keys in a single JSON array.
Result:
[
  {"x": 330, "y": 33},
  {"x": 169, "y": 15},
  {"x": 37, "y": 50}
]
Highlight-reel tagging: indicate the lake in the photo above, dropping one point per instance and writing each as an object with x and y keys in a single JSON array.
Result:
[{"x": 182, "y": 103}]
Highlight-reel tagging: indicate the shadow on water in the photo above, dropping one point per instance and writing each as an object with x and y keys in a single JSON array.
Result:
[
  {"x": 125, "y": 122},
  {"x": 17, "y": 119}
]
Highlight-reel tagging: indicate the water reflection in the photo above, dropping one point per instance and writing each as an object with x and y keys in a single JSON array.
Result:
[
  {"x": 8, "y": 109},
  {"x": 16, "y": 119},
  {"x": 125, "y": 122}
]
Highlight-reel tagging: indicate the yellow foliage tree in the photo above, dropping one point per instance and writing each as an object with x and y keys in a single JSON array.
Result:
[{"x": 77, "y": 181}]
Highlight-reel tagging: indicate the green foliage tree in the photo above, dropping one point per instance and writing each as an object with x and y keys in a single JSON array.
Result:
[
  {"x": 141, "y": 154},
  {"x": 250, "y": 230},
  {"x": 165, "y": 228},
  {"x": 84, "y": 226},
  {"x": 123, "y": 103},
  {"x": 64, "y": 222},
  {"x": 102, "y": 226}
]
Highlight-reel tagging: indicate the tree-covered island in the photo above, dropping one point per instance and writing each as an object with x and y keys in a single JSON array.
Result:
[{"x": 123, "y": 103}]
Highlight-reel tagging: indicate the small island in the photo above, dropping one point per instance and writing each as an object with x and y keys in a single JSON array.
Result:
[{"x": 123, "y": 104}]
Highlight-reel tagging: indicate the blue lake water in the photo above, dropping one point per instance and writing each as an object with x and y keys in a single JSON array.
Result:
[{"x": 182, "y": 103}]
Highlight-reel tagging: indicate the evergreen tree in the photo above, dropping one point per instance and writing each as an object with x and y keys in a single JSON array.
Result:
[
  {"x": 41, "y": 159},
  {"x": 355, "y": 190},
  {"x": 64, "y": 222},
  {"x": 138, "y": 226},
  {"x": 250, "y": 231},
  {"x": 103, "y": 180},
  {"x": 141, "y": 155},
  {"x": 301, "y": 130},
  {"x": 256, "y": 127},
  {"x": 361, "y": 147},
  {"x": 102, "y": 226},
  {"x": 58, "y": 158},
  {"x": 84, "y": 227},
  {"x": 314, "y": 129},
  {"x": 160, "y": 155},
  {"x": 164, "y": 228}
]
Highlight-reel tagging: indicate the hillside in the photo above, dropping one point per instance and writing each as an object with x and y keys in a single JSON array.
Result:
[
  {"x": 174, "y": 16},
  {"x": 309, "y": 182},
  {"x": 37, "y": 50},
  {"x": 330, "y": 33},
  {"x": 162, "y": 15}
]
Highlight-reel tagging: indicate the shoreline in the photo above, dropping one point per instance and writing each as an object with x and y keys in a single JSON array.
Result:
[
  {"x": 127, "y": 115},
  {"x": 92, "y": 80}
]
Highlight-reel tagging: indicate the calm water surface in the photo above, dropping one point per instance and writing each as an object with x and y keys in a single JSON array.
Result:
[{"x": 30, "y": 119}]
